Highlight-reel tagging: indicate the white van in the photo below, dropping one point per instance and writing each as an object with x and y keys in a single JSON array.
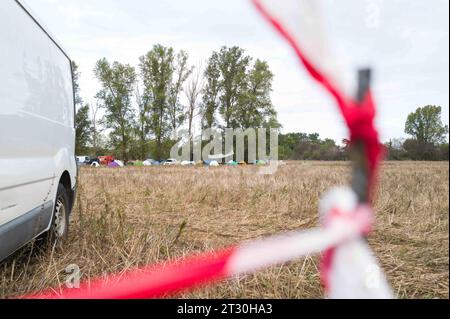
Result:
[{"x": 37, "y": 137}]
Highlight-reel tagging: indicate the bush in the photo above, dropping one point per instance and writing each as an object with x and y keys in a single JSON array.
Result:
[{"x": 421, "y": 151}]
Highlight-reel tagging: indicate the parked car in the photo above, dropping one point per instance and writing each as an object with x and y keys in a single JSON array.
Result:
[
  {"x": 171, "y": 162},
  {"x": 38, "y": 168},
  {"x": 150, "y": 162},
  {"x": 188, "y": 163},
  {"x": 83, "y": 160}
]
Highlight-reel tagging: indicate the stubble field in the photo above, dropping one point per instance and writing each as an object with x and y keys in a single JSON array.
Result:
[{"x": 130, "y": 217}]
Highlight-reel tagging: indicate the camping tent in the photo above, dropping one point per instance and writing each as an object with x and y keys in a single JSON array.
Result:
[
  {"x": 232, "y": 163},
  {"x": 214, "y": 164},
  {"x": 120, "y": 163},
  {"x": 113, "y": 164}
]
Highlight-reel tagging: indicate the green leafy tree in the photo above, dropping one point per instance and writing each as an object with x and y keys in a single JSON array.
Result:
[
  {"x": 395, "y": 150},
  {"x": 420, "y": 151},
  {"x": 233, "y": 65},
  {"x": 76, "y": 84},
  {"x": 181, "y": 72},
  {"x": 163, "y": 75},
  {"x": 82, "y": 122},
  {"x": 443, "y": 150},
  {"x": 118, "y": 81},
  {"x": 82, "y": 129},
  {"x": 425, "y": 125},
  {"x": 255, "y": 108},
  {"x": 211, "y": 91},
  {"x": 288, "y": 143},
  {"x": 156, "y": 70},
  {"x": 302, "y": 146},
  {"x": 142, "y": 125},
  {"x": 238, "y": 90}
]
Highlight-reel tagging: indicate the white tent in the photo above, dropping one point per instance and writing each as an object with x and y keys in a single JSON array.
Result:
[{"x": 214, "y": 164}]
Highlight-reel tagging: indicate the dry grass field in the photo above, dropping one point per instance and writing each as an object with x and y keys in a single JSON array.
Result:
[{"x": 136, "y": 216}]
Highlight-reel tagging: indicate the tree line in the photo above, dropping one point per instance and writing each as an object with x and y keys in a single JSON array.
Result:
[
  {"x": 428, "y": 137},
  {"x": 143, "y": 106},
  {"x": 428, "y": 141}
]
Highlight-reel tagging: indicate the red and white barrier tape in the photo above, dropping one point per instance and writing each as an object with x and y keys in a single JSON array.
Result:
[
  {"x": 345, "y": 224},
  {"x": 299, "y": 23},
  {"x": 349, "y": 269}
]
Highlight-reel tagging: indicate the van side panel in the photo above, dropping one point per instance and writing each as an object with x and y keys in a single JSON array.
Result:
[
  {"x": 20, "y": 231},
  {"x": 37, "y": 135}
]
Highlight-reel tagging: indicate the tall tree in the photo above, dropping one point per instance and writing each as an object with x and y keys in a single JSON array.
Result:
[
  {"x": 96, "y": 129},
  {"x": 181, "y": 72},
  {"x": 193, "y": 91},
  {"x": 211, "y": 91},
  {"x": 255, "y": 109},
  {"x": 143, "y": 123},
  {"x": 425, "y": 125},
  {"x": 233, "y": 64},
  {"x": 82, "y": 129},
  {"x": 82, "y": 122},
  {"x": 76, "y": 84},
  {"x": 239, "y": 90},
  {"x": 156, "y": 70},
  {"x": 118, "y": 81}
]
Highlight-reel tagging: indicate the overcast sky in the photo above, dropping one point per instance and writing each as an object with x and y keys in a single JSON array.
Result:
[{"x": 405, "y": 41}]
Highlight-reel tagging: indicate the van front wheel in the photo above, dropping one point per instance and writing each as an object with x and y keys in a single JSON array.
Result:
[{"x": 59, "y": 228}]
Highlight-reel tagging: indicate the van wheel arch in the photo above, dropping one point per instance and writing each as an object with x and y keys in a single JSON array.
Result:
[
  {"x": 59, "y": 223},
  {"x": 65, "y": 180}
]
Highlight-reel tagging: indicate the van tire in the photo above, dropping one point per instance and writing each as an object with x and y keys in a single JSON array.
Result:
[{"x": 59, "y": 228}]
